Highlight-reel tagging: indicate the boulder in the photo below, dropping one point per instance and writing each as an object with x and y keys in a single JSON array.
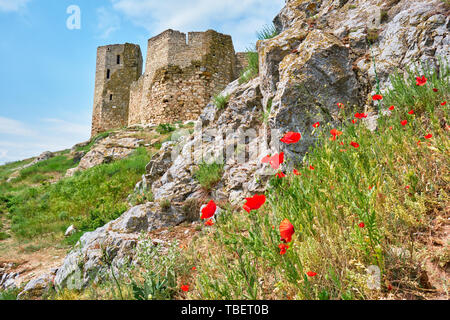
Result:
[
  {"x": 112, "y": 244},
  {"x": 311, "y": 83}
]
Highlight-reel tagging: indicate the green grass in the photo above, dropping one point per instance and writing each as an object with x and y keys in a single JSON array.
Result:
[
  {"x": 208, "y": 175},
  {"x": 221, "y": 101},
  {"x": 267, "y": 32},
  {"x": 390, "y": 183},
  {"x": 88, "y": 200}
]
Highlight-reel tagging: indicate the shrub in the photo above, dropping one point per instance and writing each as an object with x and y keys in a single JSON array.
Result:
[
  {"x": 91, "y": 198},
  {"x": 208, "y": 175},
  {"x": 221, "y": 101},
  {"x": 165, "y": 128}
]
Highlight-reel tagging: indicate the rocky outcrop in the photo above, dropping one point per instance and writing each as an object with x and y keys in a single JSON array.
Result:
[{"x": 112, "y": 244}]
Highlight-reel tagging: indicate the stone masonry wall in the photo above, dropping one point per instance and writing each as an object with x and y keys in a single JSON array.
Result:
[{"x": 182, "y": 74}]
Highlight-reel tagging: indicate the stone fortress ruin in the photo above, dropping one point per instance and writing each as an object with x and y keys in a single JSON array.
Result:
[{"x": 181, "y": 75}]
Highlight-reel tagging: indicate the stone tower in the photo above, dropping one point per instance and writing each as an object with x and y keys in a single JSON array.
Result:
[
  {"x": 118, "y": 66},
  {"x": 182, "y": 73}
]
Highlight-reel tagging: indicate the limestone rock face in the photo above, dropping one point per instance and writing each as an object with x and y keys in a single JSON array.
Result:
[
  {"x": 401, "y": 31},
  {"x": 113, "y": 243},
  {"x": 311, "y": 83},
  {"x": 217, "y": 137}
]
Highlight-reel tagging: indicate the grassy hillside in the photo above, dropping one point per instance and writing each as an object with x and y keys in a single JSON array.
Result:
[{"x": 88, "y": 200}]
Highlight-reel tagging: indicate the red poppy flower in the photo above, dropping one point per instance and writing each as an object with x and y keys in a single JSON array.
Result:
[
  {"x": 340, "y": 105},
  {"x": 389, "y": 287},
  {"x": 316, "y": 125},
  {"x": 341, "y": 143},
  {"x": 361, "y": 225},
  {"x": 209, "y": 223},
  {"x": 354, "y": 144},
  {"x": 435, "y": 90},
  {"x": 311, "y": 167},
  {"x": 311, "y": 274},
  {"x": 209, "y": 210},
  {"x": 419, "y": 142},
  {"x": 421, "y": 81},
  {"x": 274, "y": 161},
  {"x": 444, "y": 103},
  {"x": 335, "y": 133},
  {"x": 283, "y": 247},
  {"x": 286, "y": 231},
  {"x": 354, "y": 121},
  {"x": 254, "y": 203},
  {"x": 360, "y": 115},
  {"x": 296, "y": 172},
  {"x": 377, "y": 97},
  {"x": 291, "y": 137},
  {"x": 390, "y": 128},
  {"x": 266, "y": 159},
  {"x": 407, "y": 187},
  {"x": 428, "y": 136},
  {"x": 411, "y": 111},
  {"x": 194, "y": 268},
  {"x": 370, "y": 187},
  {"x": 280, "y": 175},
  {"x": 391, "y": 108},
  {"x": 185, "y": 287},
  {"x": 404, "y": 122}
]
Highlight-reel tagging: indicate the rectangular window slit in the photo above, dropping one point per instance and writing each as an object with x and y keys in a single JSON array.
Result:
[
  {"x": 108, "y": 74},
  {"x": 118, "y": 59}
]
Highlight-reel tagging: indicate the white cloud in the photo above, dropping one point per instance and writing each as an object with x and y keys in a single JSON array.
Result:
[
  {"x": 17, "y": 141},
  {"x": 239, "y": 18},
  {"x": 14, "y": 127},
  {"x": 108, "y": 22},
  {"x": 12, "y": 5}
]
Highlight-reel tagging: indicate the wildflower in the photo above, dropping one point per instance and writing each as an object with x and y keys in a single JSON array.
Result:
[
  {"x": 428, "y": 136},
  {"x": 411, "y": 112},
  {"x": 377, "y": 97},
  {"x": 389, "y": 287},
  {"x": 311, "y": 167},
  {"x": 435, "y": 90},
  {"x": 341, "y": 143},
  {"x": 209, "y": 210},
  {"x": 360, "y": 115},
  {"x": 361, "y": 225},
  {"x": 291, "y": 137},
  {"x": 340, "y": 105},
  {"x": 343, "y": 150},
  {"x": 274, "y": 161},
  {"x": 407, "y": 187},
  {"x": 280, "y": 175},
  {"x": 370, "y": 187},
  {"x": 335, "y": 133},
  {"x": 444, "y": 103},
  {"x": 391, "y": 108},
  {"x": 354, "y": 121},
  {"x": 316, "y": 125},
  {"x": 296, "y": 172},
  {"x": 185, "y": 287},
  {"x": 254, "y": 203},
  {"x": 283, "y": 247},
  {"x": 194, "y": 268},
  {"x": 419, "y": 142},
  {"x": 403, "y": 122},
  {"x": 421, "y": 81},
  {"x": 354, "y": 144},
  {"x": 209, "y": 223},
  {"x": 286, "y": 231},
  {"x": 311, "y": 274}
]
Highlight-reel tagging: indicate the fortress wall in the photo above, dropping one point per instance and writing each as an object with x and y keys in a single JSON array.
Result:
[{"x": 112, "y": 95}]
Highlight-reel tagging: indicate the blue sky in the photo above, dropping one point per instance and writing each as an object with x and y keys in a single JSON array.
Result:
[{"x": 48, "y": 71}]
